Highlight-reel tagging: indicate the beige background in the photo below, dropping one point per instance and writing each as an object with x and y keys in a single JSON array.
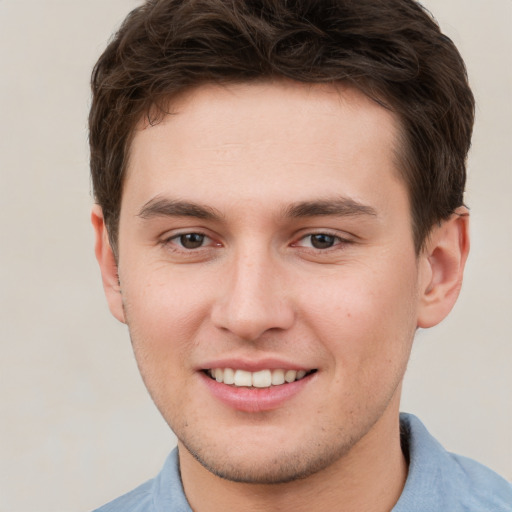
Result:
[{"x": 76, "y": 425}]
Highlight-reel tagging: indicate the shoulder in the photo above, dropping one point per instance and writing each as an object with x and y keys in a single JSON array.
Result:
[
  {"x": 138, "y": 500},
  {"x": 439, "y": 480},
  {"x": 164, "y": 492},
  {"x": 480, "y": 485}
]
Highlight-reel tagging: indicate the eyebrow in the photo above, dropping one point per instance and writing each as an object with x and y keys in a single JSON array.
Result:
[
  {"x": 163, "y": 207},
  {"x": 343, "y": 207}
]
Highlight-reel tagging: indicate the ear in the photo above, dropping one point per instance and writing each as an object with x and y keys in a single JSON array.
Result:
[
  {"x": 108, "y": 264},
  {"x": 443, "y": 261}
]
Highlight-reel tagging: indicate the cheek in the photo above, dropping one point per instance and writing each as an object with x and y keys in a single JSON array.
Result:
[
  {"x": 164, "y": 316},
  {"x": 366, "y": 317},
  {"x": 163, "y": 327}
]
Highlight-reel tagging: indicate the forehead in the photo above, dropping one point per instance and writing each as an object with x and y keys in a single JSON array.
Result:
[
  {"x": 277, "y": 139},
  {"x": 280, "y": 101}
]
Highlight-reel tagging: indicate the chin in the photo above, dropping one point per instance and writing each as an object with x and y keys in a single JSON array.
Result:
[{"x": 266, "y": 464}]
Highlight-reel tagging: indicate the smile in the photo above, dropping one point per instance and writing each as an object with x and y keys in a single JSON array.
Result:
[{"x": 259, "y": 379}]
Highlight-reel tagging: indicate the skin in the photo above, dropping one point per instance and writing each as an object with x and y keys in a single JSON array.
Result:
[{"x": 268, "y": 167}]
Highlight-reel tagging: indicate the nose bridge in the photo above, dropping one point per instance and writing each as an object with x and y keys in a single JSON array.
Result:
[{"x": 253, "y": 299}]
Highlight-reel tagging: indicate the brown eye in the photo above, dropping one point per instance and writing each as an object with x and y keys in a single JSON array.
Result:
[
  {"x": 322, "y": 241},
  {"x": 192, "y": 240}
]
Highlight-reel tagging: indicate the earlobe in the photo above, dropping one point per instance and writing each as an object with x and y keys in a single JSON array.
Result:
[
  {"x": 443, "y": 262},
  {"x": 108, "y": 264}
]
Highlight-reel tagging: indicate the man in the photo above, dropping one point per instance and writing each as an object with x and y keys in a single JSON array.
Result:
[{"x": 279, "y": 191}]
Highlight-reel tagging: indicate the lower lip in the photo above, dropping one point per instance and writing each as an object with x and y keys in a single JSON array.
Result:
[{"x": 255, "y": 399}]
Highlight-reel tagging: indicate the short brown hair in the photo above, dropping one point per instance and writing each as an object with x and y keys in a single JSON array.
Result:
[{"x": 392, "y": 50}]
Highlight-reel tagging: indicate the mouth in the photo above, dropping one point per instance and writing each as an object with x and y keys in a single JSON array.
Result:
[{"x": 261, "y": 379}]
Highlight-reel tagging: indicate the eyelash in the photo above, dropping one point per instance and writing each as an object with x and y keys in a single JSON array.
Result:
[
  {"x": 335, "y": 240},
  {"x": 178, "y": 240}
]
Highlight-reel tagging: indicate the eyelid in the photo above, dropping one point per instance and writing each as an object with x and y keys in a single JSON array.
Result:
[
  {"x": 170, "y": 238},
  {"x": 341, "y": 239}
]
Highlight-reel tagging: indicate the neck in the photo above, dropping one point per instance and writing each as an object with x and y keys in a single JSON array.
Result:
[{"x": 370, "y": 477}]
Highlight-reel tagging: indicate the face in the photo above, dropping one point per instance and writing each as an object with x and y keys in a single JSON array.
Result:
[{"x": 268, "y": 275}]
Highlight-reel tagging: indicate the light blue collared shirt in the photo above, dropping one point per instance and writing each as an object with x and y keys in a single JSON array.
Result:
[{"x": 438, "y": 481}]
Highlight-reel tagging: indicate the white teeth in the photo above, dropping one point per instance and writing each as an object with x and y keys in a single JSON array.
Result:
[
  {"x": 290, "y": 375},
  {"x": 243, "y": 378},
  {"x": 259, "y": 379},
  {"x": 262, "y": 379},
  {"x": 277, "y": 377},
  {"x": 229, "y": 376}
]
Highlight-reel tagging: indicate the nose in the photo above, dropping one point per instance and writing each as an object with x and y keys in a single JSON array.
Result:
[{"x": 254, "y": 298}]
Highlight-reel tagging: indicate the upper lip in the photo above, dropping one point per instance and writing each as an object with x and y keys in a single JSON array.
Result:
[{"x": 252, "y": 365}]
